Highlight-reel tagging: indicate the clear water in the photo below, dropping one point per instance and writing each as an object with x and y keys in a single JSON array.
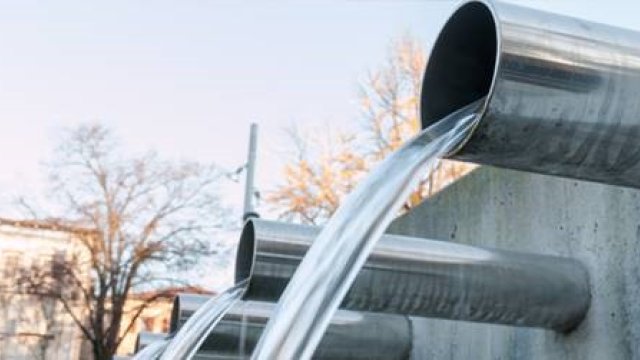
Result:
[
  {"x": 341, "y": 249},
  {"x": 197, "y": 328},
  {"x": 151, "y": 351}
]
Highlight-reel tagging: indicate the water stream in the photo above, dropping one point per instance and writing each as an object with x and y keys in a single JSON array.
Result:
[
  {"x": 195, "y": 331},
  {"x": 151, "y": 351},
  {"x": 341, "y": 249}
]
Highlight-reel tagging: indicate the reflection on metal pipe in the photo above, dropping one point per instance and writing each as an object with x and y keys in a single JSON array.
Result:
[
  {"x": 562, "y": 91},
  {"x": 351, "y": 335},
  {"x": 421, "y": 277}
]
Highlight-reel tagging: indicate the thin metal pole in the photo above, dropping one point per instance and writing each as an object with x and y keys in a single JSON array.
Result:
[{"x": 249, "y": 211}]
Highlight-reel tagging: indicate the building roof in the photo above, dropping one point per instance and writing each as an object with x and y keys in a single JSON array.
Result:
[
  {"x": 48, "y": 224},
  {"x": 171, "y": 292}
]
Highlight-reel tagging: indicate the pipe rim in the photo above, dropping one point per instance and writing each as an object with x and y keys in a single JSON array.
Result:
[
  {"x": 136, "y": 347},
  {"x": 488, "y": 77},
  {"x": 175, "y": 315},
  {"x": 245, "y": 257}
]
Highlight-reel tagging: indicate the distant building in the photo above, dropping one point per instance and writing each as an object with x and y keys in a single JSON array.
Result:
[{"x": 33, "y": 325}]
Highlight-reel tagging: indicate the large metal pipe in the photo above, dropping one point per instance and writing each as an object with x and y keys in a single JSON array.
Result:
[
  {"x": 562, "y": 92},
  {"x": 351, "y": 335},
  {"x": 428, "y": 278}
]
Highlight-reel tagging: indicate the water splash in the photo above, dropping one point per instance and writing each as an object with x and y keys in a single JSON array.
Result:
[
  {"x": 341, "y": 249},
  {"x": 151, "y": 351},
  {"x": 195, "y": 331}
]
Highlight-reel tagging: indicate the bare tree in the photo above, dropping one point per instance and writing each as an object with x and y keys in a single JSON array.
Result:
[
  {"x": 316, "y": 181},
  {"x": 146, "y": 219}
]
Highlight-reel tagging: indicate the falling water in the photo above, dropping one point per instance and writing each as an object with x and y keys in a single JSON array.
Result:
[
  {"x": 341, "y": 249},
  {"x": 151, "y": 351},
  {"x": 194, "y": 332}
]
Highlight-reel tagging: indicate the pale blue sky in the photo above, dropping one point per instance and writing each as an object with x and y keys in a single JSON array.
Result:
[{"x": 187, "y": 77}]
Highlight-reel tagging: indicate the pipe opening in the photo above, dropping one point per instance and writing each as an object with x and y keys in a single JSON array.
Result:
[
  {"x": 461, "y": 67},
  {"x": 175, "y": 315},
  {"x": 138, "y": 344},
  {"x": 246, "y": 252}
]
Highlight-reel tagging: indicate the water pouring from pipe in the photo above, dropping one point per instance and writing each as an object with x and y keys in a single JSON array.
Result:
[
  {"x": 333, "y": 261},
  {"x": 352, "y": 335},
  {"x": 152, "y": 351},
  {"x": 194, "y": 332},
  {"x": 560, "y": 100}
]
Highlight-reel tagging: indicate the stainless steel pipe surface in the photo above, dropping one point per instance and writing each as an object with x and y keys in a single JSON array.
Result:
[
  {"x": 421, "y": 277},
  {"x": 351, "y": 335},
  {"x": 562, "y": 92},
  {"x": 184, "y": 305}
]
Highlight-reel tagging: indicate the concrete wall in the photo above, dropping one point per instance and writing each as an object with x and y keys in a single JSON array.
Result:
[{"x": 597, "y": 224}]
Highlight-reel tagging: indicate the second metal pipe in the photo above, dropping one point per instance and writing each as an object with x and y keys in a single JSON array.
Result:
[{"x": 428, "y": 278}]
